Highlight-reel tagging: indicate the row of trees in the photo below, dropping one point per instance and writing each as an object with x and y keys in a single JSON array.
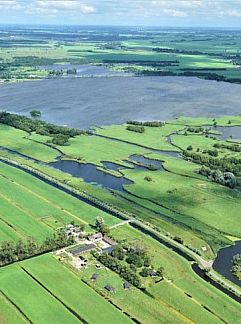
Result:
[
  {"x": 225, "y": 178},
  {"x": 232, "y": 147},
  {"x": 146, "y": 123},
  {"x": 226, "y": 164},
  {"x": 59, "y": 134},
  {"x": 137, "y": 129},
  {"x": 11, "y": 251}
]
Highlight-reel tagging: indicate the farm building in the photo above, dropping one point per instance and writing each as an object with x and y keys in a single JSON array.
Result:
[
  {"x": 108, "y": 240},
  {"x": 95, "y": 237},
  {"x": 110, "y": 288},
  {"x": 126, "y": 285},
  {"x": 94, "y": 276},
  {"x": 75, "y": 251}
]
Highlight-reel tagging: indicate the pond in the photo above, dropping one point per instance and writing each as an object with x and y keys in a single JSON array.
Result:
[
  {"x": 83, "y": 70},
  {"x": 86, "y": 102},
  {"x": 149, "y": 163},
  {"x": 227, "y": 132},
  {"x": 89, "y": 173},
  {"x": 223, "y": 262}
]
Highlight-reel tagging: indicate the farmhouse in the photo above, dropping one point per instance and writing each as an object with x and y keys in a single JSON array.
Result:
[
  {"x": 97, "y": 237},
  {"x": 108, "y": 240}
]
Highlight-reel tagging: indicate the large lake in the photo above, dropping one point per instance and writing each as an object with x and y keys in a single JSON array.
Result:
[{"x": 84, "y": 102}]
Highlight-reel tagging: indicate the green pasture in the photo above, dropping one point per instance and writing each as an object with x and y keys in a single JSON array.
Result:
[
  {"x": 18, "y": 140},
  {"x": 180, "y": 280},
  {"x": 29, "y": 207},
  {"x": 153, "y": 137},
  {"x": 72, "y": 291},
  {"x": 33, "y": 300}
]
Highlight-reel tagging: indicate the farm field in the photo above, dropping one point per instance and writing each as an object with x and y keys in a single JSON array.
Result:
[
  {"x": 210, "y": 55},
  {"x": 30, "y": 207},
  {"x": 168, "y": 194},
  {"x": 170, "y": 197},
  {"x": 43, "y": 302},
  {"x": 179, "y": 282}
]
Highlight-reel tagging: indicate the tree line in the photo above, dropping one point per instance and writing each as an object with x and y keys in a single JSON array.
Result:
[
  {"x": 131, "y": 262},
  {"x": 225, "y": 164},
  {"x": 59, "y": 134},
  {"x": 146, "y": 123},
  {"x": 11, "y": 251}
]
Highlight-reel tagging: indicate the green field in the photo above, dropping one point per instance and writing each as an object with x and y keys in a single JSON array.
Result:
[
  {"x": 30, "y": 207},
  {"x": 175, "y": 201},
  {"x": 55, "y": 295}
]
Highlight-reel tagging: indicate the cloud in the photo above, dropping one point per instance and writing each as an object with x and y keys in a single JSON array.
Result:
[
  {"x": 125, "y": 11},
  {"x": 66, "y": 5},
  {"x": 10, "y": 5}
]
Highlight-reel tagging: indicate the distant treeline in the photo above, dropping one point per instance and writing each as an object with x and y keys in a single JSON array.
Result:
[
  {"x": 11, "y": 251},
  {"x": 137, "y": 129},
  {"x": 146, "y": 123},
  {"x": 60, "y": 135}
]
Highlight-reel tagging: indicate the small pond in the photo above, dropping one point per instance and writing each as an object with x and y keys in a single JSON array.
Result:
[
  {"x": 227, "y": 132},
  {"x": 89, "y": 173},
  {"x": 148, "y": 163}
]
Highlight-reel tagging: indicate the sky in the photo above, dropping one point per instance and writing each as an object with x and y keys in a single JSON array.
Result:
[{"x": 186, "y": 13}]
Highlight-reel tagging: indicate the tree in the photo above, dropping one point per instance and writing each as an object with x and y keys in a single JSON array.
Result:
[
  {"x": 148, "y": 178},
  {"x": 145, "y": 272},
  {"x": 35, "y": 113},
  {"x": 160, "y": 272},
  {"x": 118, "y": 252},
  {"x": 99, "y": 222}
]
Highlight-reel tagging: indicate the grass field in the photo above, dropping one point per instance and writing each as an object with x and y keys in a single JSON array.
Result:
[
  {"x": 45, "y": 291},
  {"x": 153, "y": 137},
  {"x": 30, "y": 207},
  {"x": 168, "y": 300},
  {"x": 17, "y": 140},
  {"x": 179, "y": 275}
]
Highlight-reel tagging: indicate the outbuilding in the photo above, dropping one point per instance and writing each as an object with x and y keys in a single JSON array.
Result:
[{"x": 110, "y": 288}]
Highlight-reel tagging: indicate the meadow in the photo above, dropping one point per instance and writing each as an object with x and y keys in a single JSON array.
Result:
[
  {"x": 30, "y": 207},
  {"x": 55, "y": 296},
  {"x": 181, "y": 296},
  {"x": 166, "y": 201}
]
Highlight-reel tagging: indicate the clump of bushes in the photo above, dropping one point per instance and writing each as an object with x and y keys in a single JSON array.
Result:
[
  {"x": 59, "y": 134},
  {"x": 137, "y": 129},
  {"x": 225, "y": 178}
]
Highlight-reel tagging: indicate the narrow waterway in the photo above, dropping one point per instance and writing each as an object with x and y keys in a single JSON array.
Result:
[{"x": 223, "y": 262}]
